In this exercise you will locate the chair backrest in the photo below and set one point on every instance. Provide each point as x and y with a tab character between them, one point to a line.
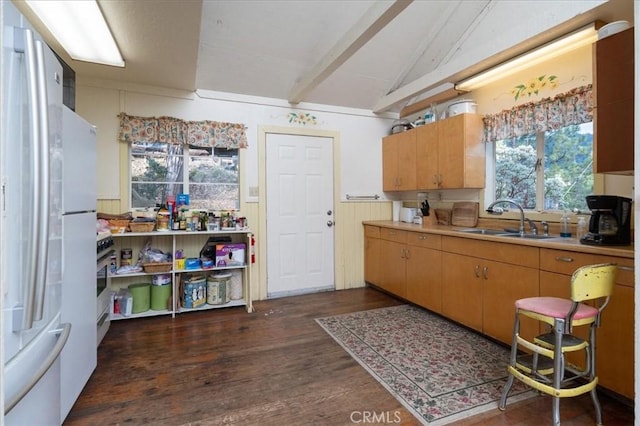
593	281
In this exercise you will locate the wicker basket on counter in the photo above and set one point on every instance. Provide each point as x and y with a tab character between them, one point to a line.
141	226
155	267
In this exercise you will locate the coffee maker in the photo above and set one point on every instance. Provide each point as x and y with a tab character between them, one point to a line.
610	223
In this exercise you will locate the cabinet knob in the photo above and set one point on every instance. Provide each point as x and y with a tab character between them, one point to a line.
564	259
485	273
476	271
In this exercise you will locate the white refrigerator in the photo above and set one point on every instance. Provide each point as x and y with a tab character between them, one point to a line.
79	307
32	331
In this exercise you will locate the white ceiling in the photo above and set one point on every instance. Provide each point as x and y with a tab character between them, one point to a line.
374	55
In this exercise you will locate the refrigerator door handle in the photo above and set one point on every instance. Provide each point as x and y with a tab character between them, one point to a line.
43	157
42	370
24	43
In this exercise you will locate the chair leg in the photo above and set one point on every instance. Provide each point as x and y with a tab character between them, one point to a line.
591	351
512	362
558	368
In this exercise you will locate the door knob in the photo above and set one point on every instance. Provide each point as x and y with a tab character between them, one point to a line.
329	212
330	223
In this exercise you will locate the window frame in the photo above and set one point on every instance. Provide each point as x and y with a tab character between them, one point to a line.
126	154
535	214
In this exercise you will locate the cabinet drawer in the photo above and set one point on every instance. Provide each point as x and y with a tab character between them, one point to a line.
566	262
421	239
371	231
393	235
501	252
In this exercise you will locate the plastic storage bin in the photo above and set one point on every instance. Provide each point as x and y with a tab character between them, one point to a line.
160	296
141	293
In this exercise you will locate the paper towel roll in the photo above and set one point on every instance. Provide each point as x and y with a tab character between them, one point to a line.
396	210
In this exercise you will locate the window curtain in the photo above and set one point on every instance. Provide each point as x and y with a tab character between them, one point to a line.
573	107
175	131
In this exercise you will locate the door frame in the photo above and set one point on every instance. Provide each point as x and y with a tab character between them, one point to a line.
261	235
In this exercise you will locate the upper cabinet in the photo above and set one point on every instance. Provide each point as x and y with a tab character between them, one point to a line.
446	154
613	117
450	153
399	161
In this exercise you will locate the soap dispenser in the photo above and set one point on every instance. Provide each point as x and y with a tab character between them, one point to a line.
565	225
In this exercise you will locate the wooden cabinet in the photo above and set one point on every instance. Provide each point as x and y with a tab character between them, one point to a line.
424	270
407	264
393	248
481	282
450	153
190	243
476	283
372	252
613	115
615	337
399	161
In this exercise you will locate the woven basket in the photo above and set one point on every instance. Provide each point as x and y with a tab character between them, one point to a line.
142	226
119	226
155	267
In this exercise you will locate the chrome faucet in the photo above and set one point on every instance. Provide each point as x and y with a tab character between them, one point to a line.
532	226
545	227
499	211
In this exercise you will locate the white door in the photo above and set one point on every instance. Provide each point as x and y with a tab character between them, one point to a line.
299	194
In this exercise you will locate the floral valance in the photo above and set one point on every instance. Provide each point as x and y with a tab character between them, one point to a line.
176	131
573	107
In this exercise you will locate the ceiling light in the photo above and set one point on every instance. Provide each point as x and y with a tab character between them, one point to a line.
80	28
565	44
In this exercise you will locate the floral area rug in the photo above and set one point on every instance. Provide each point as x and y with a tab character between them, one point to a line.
438	370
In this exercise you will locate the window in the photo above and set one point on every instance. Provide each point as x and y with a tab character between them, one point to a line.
209	175
547	171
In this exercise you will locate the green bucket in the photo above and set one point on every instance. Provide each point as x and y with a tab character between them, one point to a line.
160	296
141	293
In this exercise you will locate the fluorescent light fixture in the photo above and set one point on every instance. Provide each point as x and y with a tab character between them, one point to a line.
80	28
565	44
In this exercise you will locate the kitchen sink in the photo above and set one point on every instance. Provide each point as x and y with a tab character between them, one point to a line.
529	236
483	231
503	233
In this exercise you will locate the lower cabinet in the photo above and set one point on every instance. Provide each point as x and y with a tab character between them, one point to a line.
407	264
476	283
615	336
424	270
372	255
481	294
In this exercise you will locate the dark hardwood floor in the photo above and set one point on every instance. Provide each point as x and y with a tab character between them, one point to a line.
272	367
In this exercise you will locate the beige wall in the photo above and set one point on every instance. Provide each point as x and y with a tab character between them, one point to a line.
358	132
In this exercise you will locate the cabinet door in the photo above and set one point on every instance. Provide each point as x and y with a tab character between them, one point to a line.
462	289
615	343
461	153
390	163
613	118
399	161
424	277
393	264
503	284
427	156
372	260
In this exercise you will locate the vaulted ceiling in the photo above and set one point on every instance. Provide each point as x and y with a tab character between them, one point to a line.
367	54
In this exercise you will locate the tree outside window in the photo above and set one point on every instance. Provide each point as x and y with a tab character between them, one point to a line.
209	175
548	171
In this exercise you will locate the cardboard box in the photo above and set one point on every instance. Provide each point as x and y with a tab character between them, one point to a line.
230	254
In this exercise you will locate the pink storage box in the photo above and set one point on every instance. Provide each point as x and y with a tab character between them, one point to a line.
230	254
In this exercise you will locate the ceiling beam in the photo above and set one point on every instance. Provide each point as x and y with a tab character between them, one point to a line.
374	20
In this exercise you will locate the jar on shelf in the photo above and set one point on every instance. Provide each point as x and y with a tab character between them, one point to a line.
163	219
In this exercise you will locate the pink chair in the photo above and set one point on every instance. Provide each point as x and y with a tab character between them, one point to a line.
543	366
